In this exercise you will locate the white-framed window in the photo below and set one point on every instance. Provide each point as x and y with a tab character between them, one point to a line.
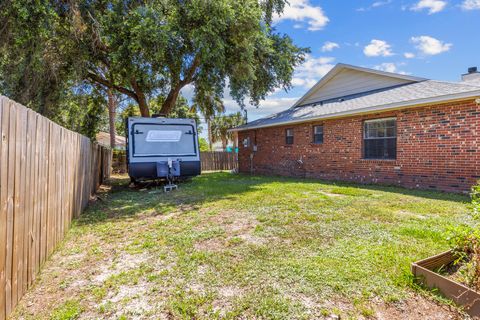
289	136
318	134
380	139
246	142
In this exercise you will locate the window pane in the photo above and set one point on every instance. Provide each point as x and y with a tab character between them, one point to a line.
289	140
391	132
390	123
318	134
381	148
371	133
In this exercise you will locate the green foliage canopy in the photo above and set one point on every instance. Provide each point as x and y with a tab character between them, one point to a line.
143	49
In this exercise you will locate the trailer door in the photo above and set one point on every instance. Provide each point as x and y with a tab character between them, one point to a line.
163	140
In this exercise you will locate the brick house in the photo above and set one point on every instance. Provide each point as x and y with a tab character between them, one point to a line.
369	126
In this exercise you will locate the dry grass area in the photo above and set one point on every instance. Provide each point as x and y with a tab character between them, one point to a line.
237	247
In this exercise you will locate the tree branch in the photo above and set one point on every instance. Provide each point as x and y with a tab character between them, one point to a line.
191	71
98	79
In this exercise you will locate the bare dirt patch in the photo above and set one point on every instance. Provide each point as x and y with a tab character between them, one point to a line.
330	194
416	307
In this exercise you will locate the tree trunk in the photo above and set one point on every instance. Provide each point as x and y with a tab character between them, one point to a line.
224	144
112	110
170	101
140	98
143	105
235	141
209	129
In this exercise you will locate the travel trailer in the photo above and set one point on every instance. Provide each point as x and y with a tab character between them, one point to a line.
162	148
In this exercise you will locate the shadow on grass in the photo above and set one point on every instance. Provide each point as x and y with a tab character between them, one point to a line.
122	201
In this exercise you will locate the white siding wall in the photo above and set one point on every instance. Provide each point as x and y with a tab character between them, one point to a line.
351	82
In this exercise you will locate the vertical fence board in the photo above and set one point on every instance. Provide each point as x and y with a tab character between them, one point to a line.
10	204
19	214
4	120
47	176
36	177
218	160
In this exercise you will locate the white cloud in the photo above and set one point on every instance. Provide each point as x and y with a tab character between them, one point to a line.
374	5
430	46
188	91
329	46
433	6
387	66
303	11
390	67
311	71
471	5
381	3
409	55
378	48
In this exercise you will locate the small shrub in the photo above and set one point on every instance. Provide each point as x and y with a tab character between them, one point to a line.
466	245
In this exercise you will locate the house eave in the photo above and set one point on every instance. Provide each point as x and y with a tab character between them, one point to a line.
380	108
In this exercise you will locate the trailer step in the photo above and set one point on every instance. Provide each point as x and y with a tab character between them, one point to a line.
169	187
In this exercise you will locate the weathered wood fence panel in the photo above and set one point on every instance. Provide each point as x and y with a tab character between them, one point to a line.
210	161
218	160
47	176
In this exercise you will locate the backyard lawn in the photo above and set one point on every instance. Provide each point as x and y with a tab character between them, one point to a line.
232	246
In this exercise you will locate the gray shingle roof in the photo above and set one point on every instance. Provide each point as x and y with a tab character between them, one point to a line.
402	95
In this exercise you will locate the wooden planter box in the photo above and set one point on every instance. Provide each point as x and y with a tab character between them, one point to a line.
460	294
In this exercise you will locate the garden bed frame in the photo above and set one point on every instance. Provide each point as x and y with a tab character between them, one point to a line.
460	294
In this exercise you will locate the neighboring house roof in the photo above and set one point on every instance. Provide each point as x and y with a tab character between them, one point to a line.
349	90
103	139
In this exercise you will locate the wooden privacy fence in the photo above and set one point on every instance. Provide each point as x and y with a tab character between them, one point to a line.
218	160
47	175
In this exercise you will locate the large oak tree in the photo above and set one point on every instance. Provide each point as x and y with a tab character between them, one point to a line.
146	48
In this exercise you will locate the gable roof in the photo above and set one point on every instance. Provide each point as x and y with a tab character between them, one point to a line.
380	91
345	79
103	138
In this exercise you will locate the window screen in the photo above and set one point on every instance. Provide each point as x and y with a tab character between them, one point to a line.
380	139
318	134
289	136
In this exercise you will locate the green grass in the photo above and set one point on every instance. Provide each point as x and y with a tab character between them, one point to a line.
69	310
227	246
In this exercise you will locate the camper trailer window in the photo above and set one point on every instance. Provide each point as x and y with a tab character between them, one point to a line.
163	140
163	136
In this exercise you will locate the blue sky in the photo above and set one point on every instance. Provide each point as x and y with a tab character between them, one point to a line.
436	39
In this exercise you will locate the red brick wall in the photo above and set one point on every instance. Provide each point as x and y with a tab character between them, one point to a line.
438	147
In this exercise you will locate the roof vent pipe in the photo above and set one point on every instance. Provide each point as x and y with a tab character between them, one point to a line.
472	76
